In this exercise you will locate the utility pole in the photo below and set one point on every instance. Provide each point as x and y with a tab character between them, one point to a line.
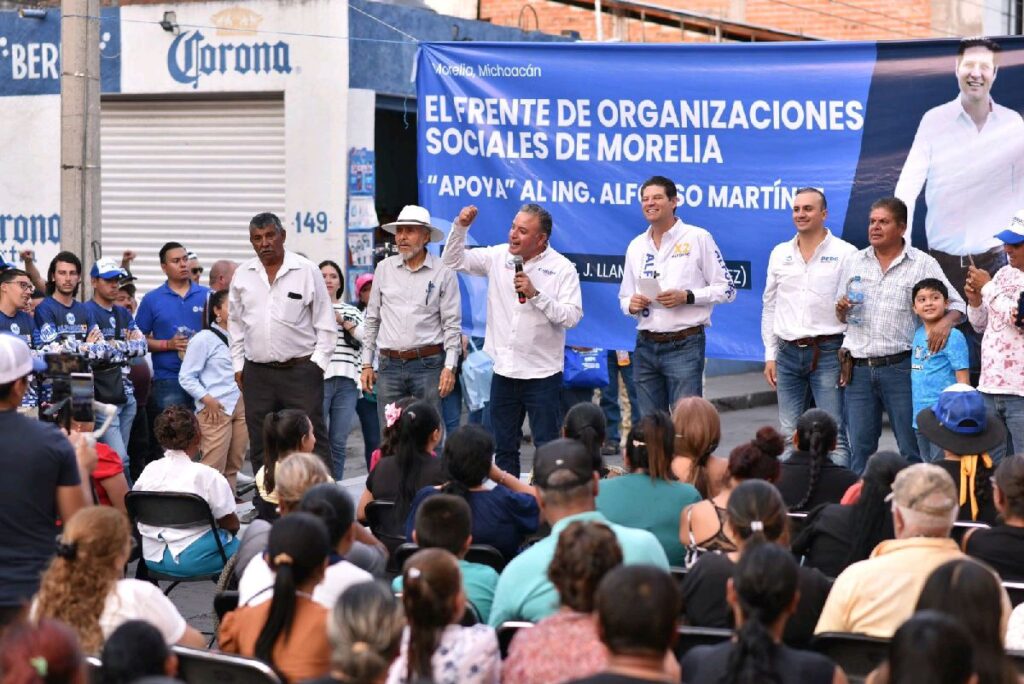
80	130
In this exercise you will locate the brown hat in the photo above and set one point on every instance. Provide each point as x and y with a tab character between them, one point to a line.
925	488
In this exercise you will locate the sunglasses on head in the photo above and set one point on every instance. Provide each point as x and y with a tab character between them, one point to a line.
198	270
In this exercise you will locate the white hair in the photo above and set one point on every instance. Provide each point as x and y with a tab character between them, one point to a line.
918	524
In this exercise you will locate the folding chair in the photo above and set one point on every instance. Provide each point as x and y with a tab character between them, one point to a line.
1015	590
691	637
507	630
201	667
960	528
797	520
380	517
857	654
176	510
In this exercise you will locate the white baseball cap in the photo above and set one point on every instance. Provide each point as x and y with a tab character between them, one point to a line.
16	361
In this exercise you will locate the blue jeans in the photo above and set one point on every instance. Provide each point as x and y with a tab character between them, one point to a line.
798	384
872	390
1010	409
513	400
451	409
340	395
668	371
366	409
167	393
417	377
118	434
610	396
928	450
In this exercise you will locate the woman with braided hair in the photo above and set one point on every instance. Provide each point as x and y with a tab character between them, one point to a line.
762	594
83	587
435	648
810	478
756	515
288	632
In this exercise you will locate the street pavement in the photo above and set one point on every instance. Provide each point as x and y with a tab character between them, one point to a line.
745	401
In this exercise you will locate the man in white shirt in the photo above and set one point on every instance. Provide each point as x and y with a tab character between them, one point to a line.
533	297
673	276
282	334
798	325
971	153
413	319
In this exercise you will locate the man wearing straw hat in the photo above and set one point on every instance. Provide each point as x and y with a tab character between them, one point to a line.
413	319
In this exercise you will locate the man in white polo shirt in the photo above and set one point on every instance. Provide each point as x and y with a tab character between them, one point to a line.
798	324
529	308
673	276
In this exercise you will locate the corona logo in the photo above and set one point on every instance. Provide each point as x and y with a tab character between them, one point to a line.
236	21
191	57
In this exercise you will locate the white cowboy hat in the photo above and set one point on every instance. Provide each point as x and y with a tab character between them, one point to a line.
412	215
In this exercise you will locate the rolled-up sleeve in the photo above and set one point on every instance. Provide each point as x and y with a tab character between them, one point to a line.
565	306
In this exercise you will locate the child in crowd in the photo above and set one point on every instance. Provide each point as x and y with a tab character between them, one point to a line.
931	372
444	521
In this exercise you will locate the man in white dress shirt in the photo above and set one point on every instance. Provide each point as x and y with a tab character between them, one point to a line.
528	313
682	267
799	328
970	151
283	333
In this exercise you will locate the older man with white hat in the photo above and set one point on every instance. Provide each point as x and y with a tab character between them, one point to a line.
413	320
996	307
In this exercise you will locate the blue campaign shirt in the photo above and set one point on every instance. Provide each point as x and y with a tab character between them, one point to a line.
21	325
931	373
161	313
115	324
58	323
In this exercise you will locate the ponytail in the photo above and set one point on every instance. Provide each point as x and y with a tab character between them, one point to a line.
415	426
297	549
816	434
585	423
430	584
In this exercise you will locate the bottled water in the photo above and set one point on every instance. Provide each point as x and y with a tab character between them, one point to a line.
855	293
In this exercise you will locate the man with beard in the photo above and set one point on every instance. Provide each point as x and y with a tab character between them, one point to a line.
283	334
60	317
413	319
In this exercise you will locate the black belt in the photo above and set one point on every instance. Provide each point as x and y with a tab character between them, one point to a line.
283	364
673	336
876	361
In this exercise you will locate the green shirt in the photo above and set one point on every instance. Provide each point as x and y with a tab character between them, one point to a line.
636	500
478	581
524	591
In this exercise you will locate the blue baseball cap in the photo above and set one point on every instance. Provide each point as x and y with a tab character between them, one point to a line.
959	422
107	269
1014	233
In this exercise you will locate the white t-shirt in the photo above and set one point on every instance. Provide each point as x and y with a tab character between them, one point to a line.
136	600
176	472
257	583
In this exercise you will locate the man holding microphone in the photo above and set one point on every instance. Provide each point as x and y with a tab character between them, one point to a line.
533	297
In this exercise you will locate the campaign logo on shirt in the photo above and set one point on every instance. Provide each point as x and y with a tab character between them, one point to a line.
15	329
681	249
197	309
47	333
113	323
70	318
830	260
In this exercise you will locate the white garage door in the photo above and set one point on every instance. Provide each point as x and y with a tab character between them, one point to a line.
191	171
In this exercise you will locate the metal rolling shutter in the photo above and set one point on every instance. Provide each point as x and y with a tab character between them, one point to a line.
192	171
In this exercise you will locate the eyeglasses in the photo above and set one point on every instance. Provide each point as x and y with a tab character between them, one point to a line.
198	270
27	287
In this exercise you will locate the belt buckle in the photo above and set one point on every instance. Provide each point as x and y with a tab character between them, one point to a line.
965	260
803	344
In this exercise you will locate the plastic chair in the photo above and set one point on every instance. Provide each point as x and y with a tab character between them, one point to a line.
797	520
477	553
961	527
691	637
1015	590
507	630
201	667
857	654
380	517
178	510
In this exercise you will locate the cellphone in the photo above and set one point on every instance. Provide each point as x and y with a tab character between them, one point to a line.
82	396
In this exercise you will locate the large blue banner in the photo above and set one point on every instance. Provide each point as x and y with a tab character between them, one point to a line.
578	127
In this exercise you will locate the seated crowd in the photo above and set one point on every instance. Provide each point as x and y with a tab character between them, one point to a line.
601	567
